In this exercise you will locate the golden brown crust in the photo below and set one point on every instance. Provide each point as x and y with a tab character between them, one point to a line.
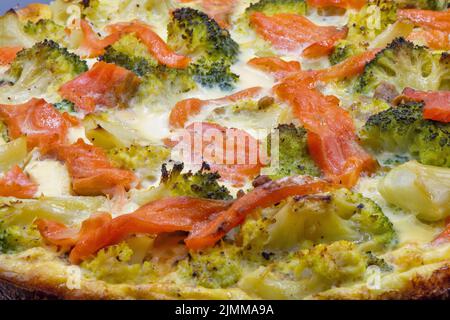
437	286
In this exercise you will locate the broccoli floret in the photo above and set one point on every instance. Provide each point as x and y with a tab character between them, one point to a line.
114	264
404	64
65	106
343	49
145	160
338	262
165	82
202	184
293	155
18	238
270	7
157	80
41	70
215	268
403	129
45	29
307	272
193	33
373	260
363	27
210	74
325	218
129	52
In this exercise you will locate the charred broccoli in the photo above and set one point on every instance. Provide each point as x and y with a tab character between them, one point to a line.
41	69
193	33
214	268
404	64
202	184
294	158
403	129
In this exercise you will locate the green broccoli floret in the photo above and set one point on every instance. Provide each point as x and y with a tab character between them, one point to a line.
404	64
343	49
145	160
363	27
202	184
45	29
424	4
338	262
65	106
165	82
40	70
376	229
114	265
157	80
211	73
18	238
307	272
214	268
129	52
193	33
403	129
306	221
270	7
373	260
293	155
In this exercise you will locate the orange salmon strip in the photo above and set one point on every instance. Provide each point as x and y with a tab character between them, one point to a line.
291	32
104	85
207	234
16	184
91	171
187	108
39	121
8	54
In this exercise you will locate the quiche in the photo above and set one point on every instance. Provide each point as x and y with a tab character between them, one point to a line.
271	149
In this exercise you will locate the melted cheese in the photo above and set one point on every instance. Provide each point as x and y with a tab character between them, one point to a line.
51	176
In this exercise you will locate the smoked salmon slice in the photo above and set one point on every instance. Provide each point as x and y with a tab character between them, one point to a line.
104	85
293	32
8	54
91	171
207	234
39	121
15	183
